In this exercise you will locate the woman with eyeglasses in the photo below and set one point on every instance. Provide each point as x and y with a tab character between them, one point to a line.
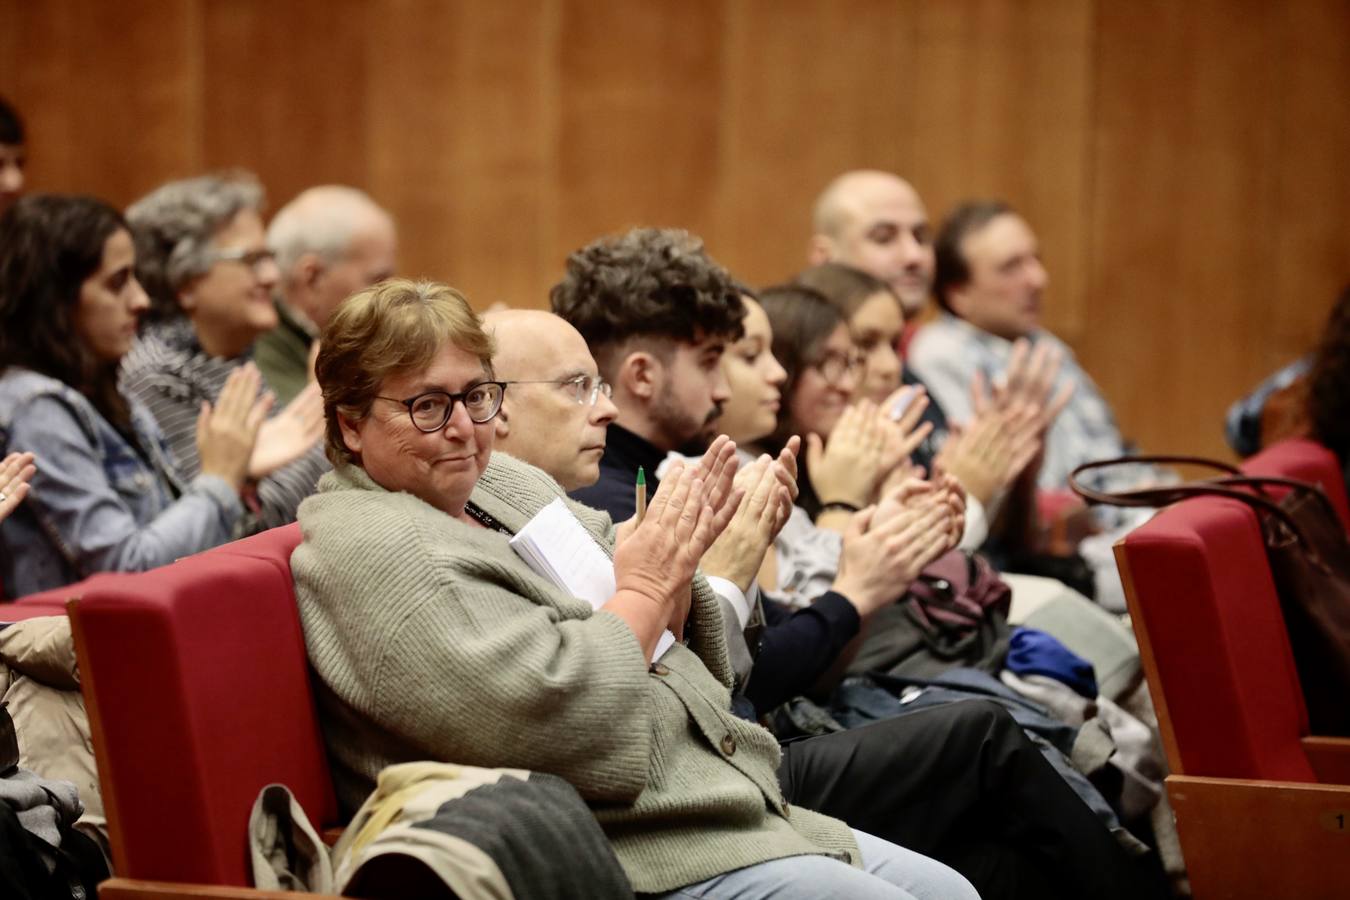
433	640
202	258
107	493
854	448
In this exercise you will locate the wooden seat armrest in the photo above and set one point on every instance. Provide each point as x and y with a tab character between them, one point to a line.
1330	758
1263	838
132	889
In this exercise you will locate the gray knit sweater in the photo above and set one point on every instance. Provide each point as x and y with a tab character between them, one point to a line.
432	640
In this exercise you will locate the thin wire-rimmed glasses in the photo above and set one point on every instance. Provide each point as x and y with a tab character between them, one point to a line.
586	389
430	410
834	365
254	259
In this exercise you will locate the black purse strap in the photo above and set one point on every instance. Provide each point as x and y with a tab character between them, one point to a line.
1253	490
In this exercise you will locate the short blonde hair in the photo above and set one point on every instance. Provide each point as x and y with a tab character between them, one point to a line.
391	328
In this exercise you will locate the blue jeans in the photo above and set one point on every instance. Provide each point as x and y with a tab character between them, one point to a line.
889	872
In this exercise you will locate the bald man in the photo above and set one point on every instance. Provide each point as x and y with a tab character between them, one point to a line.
876	221
556	407
330	242
959	782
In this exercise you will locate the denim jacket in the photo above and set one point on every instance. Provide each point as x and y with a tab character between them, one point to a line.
96	503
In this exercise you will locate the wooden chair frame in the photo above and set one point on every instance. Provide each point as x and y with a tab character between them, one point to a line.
1251	838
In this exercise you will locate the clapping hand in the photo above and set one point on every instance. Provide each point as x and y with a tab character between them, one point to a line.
15	472
228	431
989	454
767	486
850	467
1028	381
657	560
886	547
289	434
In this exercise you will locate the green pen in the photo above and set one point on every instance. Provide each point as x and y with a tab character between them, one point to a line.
640	490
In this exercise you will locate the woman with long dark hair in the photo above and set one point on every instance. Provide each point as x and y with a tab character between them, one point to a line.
107	494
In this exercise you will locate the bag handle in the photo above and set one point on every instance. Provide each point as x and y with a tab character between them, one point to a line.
1226	486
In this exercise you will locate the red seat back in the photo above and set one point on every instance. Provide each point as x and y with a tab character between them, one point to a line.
1306	460
198	688
1205	608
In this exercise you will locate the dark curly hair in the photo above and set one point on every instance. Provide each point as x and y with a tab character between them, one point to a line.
49	245
951	269
649	283
1329	382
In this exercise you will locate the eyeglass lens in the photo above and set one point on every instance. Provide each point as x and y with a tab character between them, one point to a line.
430	411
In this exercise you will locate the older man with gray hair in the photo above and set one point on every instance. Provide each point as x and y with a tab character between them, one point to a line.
330	242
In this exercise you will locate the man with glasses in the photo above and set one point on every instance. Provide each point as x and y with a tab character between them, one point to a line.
556	397
556	416
960	782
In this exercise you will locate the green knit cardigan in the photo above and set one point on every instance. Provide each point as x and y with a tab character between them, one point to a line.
433	640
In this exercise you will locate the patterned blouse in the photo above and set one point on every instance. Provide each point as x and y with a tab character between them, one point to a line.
169	372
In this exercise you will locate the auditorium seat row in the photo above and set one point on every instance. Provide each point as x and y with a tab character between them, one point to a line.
199	694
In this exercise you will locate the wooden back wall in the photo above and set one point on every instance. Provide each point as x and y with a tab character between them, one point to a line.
1187	165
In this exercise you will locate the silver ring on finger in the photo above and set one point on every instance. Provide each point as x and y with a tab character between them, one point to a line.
3	497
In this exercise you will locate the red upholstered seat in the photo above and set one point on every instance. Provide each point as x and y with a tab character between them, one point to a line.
1205	597
1250	788
198	689
51	602
1306	460
276	544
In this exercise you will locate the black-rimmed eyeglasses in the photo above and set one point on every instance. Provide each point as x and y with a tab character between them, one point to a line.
834	365
430	411
585	389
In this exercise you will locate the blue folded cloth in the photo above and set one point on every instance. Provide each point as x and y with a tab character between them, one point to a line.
1032	652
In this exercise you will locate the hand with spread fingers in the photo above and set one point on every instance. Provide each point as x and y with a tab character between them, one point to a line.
1029	380
15	472
849	469
655	563
885	548
713	467
954	495
228	431
290	434
738	553
785	470
717	467
906	431
989	454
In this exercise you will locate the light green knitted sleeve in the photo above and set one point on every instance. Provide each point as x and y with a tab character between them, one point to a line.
440	635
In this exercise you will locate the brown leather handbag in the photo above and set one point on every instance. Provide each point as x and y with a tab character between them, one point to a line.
1309	561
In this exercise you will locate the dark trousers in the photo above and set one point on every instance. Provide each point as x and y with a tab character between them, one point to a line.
962	784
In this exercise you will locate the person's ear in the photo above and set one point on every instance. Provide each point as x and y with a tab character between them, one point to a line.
187	300
958	299
640	375
307	270
502	424
351	434
819	250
